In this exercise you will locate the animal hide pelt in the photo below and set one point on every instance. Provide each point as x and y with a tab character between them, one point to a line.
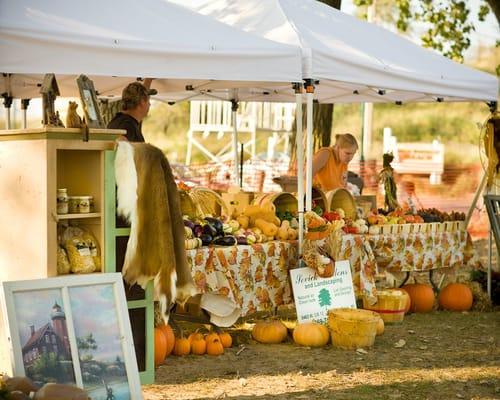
147	197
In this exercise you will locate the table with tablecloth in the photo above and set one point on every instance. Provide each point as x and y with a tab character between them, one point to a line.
254	276
422	251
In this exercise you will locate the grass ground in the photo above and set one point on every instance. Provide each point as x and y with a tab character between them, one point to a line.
445	356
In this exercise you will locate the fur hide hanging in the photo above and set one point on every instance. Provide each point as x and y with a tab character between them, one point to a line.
147	197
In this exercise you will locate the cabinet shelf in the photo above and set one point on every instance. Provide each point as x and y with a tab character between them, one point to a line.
61	217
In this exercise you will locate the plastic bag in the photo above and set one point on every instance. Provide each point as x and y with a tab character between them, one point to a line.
79	255
63	265
94	248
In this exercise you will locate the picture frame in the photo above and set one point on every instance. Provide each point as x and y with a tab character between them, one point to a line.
73	330
90	105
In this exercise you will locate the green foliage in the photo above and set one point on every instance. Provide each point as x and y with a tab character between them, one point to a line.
48	366
86	344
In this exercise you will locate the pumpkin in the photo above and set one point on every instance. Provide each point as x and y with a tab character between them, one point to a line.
182	347
215	348
195	336
311	334
211	337
269	332
422	297
380	326
456	297
160	342
169	335
198	345
225	339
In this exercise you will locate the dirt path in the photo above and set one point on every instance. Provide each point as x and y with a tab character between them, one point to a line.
446	356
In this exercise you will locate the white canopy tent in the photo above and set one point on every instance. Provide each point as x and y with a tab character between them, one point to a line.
114	43
349	60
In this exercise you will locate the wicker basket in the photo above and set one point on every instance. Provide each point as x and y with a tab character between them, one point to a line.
341	198
390	305
187	205
319	197
352	328
281	201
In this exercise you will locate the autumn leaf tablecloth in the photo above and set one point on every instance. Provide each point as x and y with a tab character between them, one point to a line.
254	276
422	251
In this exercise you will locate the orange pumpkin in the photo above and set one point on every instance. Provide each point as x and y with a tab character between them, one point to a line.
211	337
195	336
225	339
422	297
380	326
311	334
269	332
215	348
456	297
182	347
160	342
198	346
170	336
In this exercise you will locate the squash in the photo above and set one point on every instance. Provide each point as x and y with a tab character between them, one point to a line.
266	212
182	347
169	336
380	326
160	343
195	336
422	297
283	230
269	332
456	297
311	334
293	234
215	348
212	336
199	345
244	221
268	228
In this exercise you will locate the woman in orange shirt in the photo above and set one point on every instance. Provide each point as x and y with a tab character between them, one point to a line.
329	168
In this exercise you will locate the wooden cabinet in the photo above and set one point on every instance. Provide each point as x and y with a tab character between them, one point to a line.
33	165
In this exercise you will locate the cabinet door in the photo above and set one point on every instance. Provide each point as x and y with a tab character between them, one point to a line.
139	301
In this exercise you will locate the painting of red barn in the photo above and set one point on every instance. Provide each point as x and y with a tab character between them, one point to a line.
43	332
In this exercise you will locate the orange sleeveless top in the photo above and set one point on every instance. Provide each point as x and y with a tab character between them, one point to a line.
334	173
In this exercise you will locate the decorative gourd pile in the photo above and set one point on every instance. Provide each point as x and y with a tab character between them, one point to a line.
257	224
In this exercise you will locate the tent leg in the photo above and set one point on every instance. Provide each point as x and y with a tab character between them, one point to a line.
24	107
7	102
189	147
234	110
300	163
309	145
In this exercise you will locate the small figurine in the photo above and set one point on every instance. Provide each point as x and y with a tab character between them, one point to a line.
55	120
73	120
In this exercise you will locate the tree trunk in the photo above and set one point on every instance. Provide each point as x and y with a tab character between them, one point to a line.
322	117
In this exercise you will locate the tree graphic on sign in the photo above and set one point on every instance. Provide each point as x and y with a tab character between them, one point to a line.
324	298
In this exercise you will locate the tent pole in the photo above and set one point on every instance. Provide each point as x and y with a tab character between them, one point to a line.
309	143
7	103
234	109
24	107
300	161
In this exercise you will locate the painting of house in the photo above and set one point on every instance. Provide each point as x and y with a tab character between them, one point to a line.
44	338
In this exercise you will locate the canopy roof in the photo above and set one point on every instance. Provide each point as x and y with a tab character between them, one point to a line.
115	42
353	60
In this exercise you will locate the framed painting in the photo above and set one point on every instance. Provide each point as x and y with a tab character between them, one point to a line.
88	98
73	330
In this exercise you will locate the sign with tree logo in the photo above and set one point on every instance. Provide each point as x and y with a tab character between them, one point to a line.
314	295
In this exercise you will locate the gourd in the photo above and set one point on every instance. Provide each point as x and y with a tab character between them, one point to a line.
269	332
182	347
160	342
244	221
215	348
456	297
190	244
293	234
266	212
311	334
422	297
380	326
283	230
268	228
188	233
169	336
